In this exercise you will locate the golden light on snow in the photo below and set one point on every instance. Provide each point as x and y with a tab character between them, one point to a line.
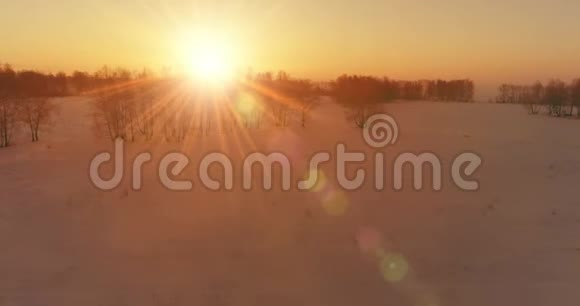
246	104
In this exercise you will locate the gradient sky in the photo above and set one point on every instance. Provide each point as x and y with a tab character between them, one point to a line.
488	41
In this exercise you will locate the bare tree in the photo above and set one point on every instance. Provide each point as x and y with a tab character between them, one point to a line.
116	109
360	115
8	118
361	95
278	100
271	95
36	113
555	96
575	95
504	93
536	96
529	96
8	110
304	96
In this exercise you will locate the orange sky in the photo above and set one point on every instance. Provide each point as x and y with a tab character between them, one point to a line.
488	41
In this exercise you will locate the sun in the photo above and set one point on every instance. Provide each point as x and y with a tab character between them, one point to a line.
211	63
207	57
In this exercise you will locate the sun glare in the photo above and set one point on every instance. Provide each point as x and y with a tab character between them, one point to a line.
211	63
207	57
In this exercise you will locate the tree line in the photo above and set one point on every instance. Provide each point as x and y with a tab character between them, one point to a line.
142	105
390	89
25	95
34	83
555	97
364	96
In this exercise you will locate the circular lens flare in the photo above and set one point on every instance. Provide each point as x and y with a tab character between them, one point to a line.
394	267
335	203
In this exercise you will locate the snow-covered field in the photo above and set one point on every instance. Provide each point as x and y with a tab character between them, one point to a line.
513	242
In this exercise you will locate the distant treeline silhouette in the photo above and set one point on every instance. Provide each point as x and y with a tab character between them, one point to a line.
32	83
385	89
25	95
363	96
556	97
140	105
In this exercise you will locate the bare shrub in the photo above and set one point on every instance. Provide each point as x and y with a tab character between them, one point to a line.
360	115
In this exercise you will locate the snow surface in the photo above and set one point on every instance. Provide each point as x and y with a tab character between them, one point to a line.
513	242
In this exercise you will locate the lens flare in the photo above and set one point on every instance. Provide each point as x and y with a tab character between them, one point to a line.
321	181
394	267
206	56
246	104
369	240
335	203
